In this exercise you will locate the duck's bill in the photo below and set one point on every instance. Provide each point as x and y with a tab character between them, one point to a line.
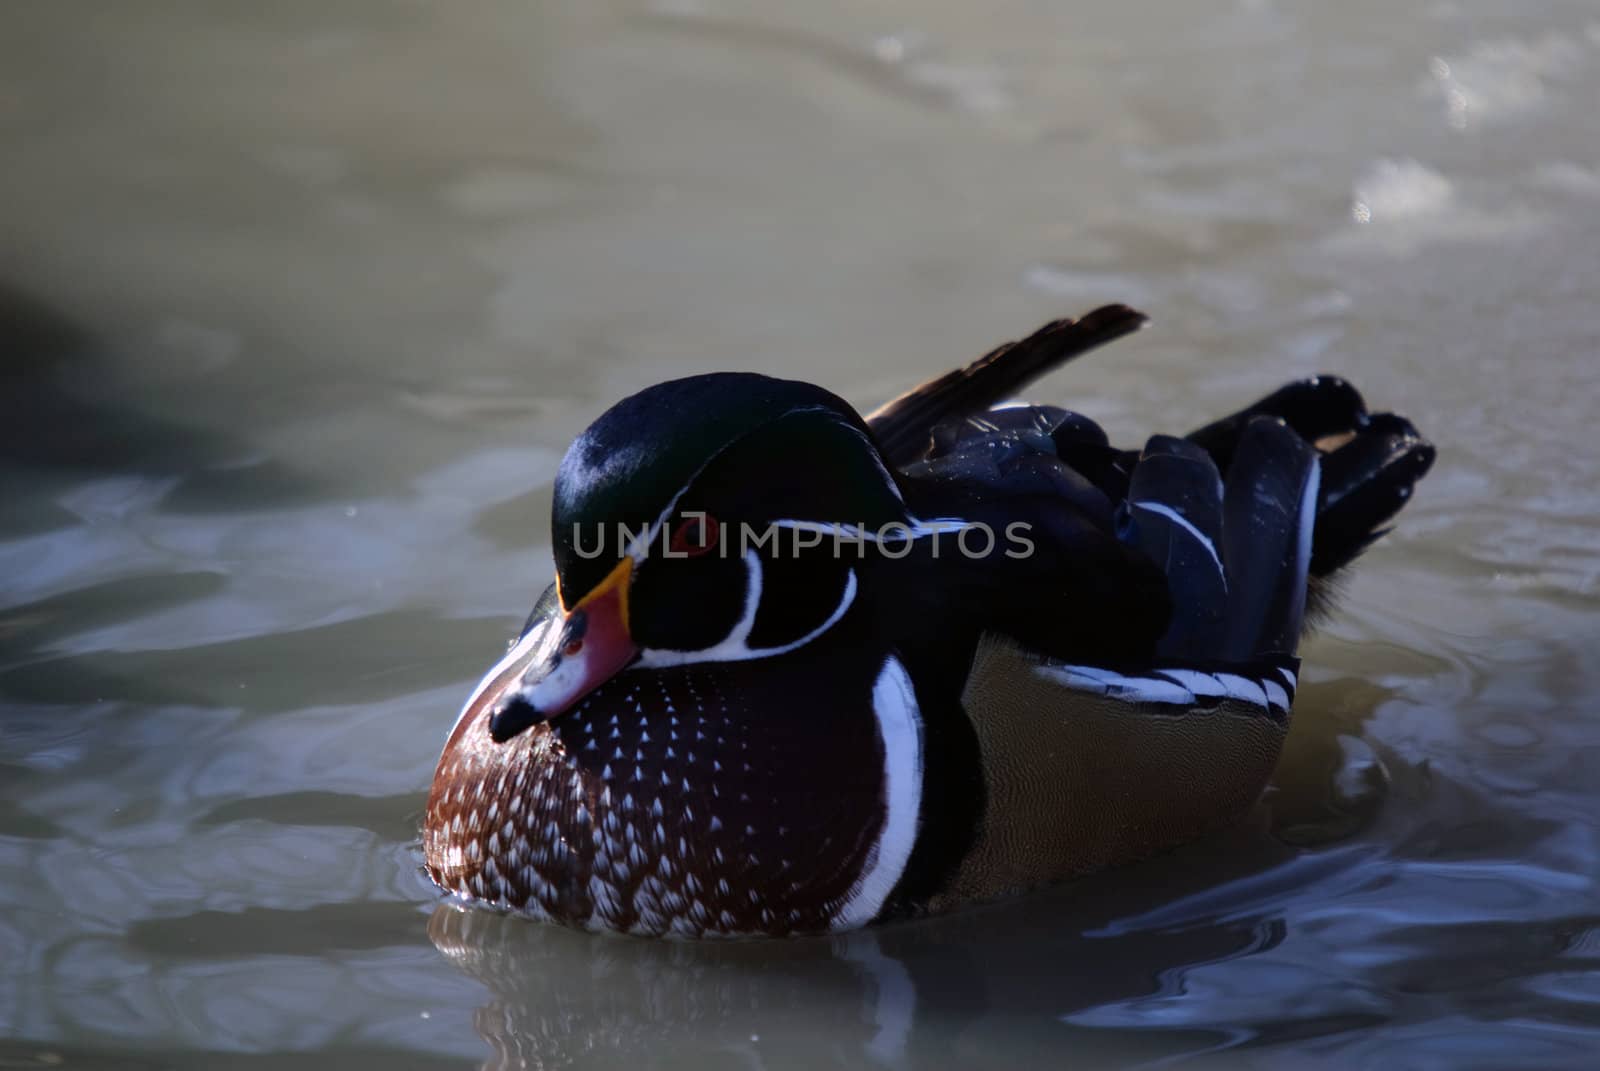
571	657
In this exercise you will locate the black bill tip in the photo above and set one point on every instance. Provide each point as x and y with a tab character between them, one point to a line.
511	717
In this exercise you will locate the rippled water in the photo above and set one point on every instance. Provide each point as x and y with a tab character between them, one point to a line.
300	302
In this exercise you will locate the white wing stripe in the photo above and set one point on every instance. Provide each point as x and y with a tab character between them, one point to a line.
1183	522
1244	689
1200	684
1177	686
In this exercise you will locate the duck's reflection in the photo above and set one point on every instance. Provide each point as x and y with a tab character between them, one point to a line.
936	992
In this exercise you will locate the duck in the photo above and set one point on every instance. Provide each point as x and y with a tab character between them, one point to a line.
802	671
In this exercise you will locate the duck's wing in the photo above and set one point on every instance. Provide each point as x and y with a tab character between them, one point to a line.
1133	684
1051	572
1246	519
1133	558
903	426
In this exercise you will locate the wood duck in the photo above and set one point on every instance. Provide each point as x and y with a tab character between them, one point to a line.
801	671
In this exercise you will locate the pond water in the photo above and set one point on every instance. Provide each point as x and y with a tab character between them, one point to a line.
300	303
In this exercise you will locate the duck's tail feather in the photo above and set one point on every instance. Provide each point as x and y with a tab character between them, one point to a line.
903	427
1365	483
1235	550
1370	463
1269	513
1318	408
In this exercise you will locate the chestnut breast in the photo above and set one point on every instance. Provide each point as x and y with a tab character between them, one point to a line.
702	800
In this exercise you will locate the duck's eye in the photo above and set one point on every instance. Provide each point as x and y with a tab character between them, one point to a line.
695	534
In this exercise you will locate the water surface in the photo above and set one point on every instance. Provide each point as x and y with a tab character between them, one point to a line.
300	302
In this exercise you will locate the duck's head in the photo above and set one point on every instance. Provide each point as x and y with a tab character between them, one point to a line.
695	521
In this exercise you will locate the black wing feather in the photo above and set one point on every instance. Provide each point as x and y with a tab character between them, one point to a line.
903	427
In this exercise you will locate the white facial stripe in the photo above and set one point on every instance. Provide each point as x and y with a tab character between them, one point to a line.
894	703
639	548
735	646
893	532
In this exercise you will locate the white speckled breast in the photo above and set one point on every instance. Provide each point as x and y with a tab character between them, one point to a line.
711	800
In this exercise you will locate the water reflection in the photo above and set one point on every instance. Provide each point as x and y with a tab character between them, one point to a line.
55	409
929	994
